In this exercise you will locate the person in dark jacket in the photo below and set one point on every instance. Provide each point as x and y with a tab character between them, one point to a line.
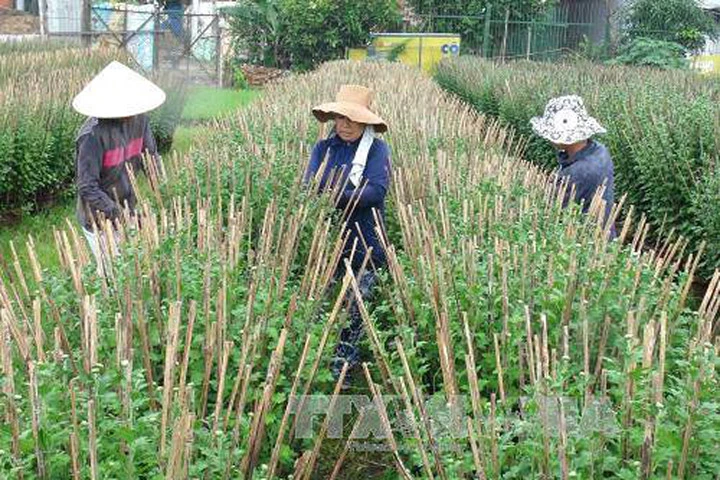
353	163
116	134
584	163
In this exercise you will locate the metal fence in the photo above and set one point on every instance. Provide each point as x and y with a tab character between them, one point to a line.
156	39
494	32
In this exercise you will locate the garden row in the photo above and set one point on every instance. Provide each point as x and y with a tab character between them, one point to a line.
38	125
662	132
565	355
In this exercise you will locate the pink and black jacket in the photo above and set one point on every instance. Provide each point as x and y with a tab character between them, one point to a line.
102	149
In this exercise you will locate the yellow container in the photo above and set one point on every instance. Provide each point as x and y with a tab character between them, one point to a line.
357	54
706	64
424	50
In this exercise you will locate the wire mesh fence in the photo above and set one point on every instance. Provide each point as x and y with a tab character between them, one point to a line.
156	39
496	32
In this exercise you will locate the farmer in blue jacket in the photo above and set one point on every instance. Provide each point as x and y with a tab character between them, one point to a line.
116	134
355	164
585	163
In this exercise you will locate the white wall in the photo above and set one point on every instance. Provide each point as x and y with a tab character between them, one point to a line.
64	16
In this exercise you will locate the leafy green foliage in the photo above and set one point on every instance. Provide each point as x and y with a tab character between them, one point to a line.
301	34
517	8
677	21
255	26
646	52
661	130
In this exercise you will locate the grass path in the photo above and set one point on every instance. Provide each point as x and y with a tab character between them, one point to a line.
203	104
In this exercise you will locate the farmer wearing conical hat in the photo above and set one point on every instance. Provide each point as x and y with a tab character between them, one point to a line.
584	162
116	134
355	164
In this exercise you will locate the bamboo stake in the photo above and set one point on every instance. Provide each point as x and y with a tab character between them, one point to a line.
562	447
310	465
529	340
602	346
378	349
221	384
417	398
498	365
19	337
8	389
192	314
492	429
416	431
321	346
239	378
286	416
545	348
74	435
346	449
169	375
479	469
92	440
380	405
209	353
182	432
19	270
35	419
147	362
239	411
257	430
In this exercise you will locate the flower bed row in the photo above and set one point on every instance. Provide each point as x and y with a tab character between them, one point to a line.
38	125
542	349
662	132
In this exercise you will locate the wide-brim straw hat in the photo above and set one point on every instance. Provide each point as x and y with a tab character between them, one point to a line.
353	102
118	92
566	121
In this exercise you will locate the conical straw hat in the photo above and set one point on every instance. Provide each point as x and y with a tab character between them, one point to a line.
118	92
353	102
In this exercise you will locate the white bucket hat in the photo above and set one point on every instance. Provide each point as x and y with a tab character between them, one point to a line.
566	121
118	92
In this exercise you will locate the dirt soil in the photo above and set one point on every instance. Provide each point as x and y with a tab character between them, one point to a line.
13	22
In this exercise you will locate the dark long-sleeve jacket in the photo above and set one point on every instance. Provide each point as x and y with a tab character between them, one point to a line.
588	170
102	149
369	196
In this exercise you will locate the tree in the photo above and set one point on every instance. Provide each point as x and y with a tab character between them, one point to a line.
255	27
516	8
679	21
300	34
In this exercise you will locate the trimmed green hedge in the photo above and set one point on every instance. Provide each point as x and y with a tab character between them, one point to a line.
38	125
662	131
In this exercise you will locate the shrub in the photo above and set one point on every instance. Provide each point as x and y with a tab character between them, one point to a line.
661	129
37	123
676	21
571	353
646	52
301	34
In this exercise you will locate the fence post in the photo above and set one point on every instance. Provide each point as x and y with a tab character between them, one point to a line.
503	51
219	51
528	52
486	33
86	26
42	6
156	38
